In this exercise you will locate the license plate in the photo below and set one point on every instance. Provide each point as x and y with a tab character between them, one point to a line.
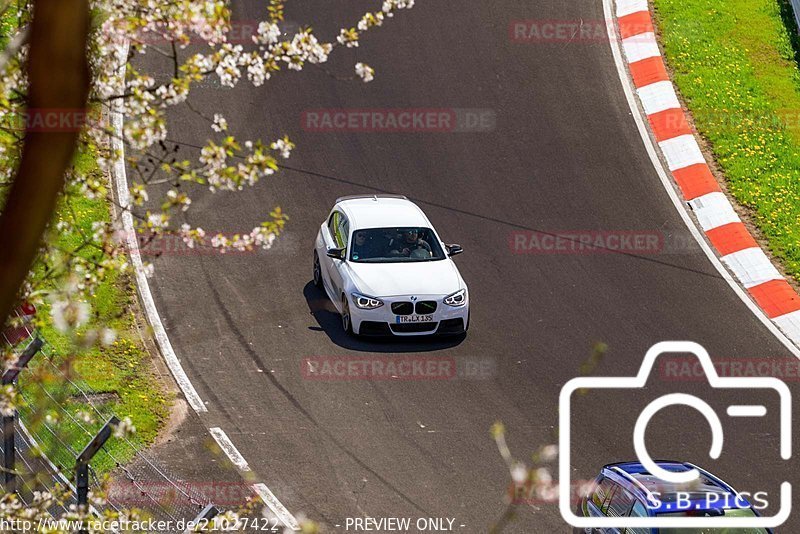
414	319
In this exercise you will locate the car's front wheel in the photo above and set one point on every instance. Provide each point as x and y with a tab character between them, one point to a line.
317	271
347	321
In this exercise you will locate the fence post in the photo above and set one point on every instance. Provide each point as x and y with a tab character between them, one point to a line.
206	514
82	465
9	427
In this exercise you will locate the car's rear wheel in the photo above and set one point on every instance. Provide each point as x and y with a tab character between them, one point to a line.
347	322
317	271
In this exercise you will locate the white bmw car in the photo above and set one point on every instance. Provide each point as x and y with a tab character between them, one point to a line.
386	270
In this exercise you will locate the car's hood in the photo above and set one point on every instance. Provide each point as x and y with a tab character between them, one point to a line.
391	279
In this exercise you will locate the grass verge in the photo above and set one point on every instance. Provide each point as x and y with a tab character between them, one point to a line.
735	65
120	377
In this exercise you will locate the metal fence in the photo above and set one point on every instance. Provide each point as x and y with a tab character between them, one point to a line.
73	415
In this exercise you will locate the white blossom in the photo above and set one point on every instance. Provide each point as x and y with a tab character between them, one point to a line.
542	476
69	314
107	336
284	146
157	221
365	72
148	269
124	428
267	33
519	473
548	453
348	38
369	20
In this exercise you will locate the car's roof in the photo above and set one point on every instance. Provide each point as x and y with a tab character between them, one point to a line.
381	211
637	479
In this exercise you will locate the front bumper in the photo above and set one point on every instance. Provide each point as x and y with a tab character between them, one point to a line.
445	320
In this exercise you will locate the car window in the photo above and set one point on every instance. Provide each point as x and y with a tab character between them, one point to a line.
601	494
338	226
638	510
342	232
395	245
333	221
621	503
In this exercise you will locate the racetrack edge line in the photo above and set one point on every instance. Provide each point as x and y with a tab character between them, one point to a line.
229	448
121	185
120	181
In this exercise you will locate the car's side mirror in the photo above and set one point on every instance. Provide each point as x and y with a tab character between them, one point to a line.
336	253
454	249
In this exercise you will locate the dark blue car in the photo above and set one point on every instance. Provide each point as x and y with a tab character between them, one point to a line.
628	490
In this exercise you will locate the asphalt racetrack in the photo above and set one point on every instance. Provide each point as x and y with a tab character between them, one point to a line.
542	141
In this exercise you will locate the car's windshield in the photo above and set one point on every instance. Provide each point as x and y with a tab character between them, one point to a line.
391	245
740	512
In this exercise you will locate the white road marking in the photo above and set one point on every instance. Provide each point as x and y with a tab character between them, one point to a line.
276	507
666	181
123	196
229	448
174	364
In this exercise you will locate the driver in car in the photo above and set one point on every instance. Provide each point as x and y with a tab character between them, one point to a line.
363	247
409	244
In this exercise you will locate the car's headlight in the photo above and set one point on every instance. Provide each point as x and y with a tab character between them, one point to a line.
459	298
366	303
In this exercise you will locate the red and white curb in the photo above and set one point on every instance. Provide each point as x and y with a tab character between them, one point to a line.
723	228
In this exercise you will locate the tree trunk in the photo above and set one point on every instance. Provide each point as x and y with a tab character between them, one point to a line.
58	76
